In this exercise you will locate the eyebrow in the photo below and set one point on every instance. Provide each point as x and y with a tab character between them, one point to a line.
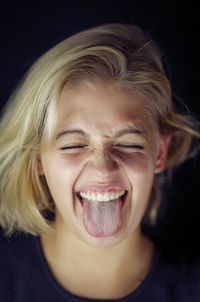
132	130
72	131
129	130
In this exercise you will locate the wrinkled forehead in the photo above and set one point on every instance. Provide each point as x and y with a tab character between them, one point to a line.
98	106
103	104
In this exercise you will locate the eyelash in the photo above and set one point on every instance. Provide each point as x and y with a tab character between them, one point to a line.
132	146
73	147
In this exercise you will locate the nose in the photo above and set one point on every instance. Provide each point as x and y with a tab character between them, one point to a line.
103	164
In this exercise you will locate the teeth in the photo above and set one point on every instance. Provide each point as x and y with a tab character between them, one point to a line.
101	197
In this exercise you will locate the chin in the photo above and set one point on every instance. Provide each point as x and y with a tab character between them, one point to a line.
102	242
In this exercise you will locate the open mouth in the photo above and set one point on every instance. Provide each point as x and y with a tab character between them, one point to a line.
99	197
102	211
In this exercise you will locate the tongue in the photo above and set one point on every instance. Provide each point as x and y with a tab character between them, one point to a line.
102	219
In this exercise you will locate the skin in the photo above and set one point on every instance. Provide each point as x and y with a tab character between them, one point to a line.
101	158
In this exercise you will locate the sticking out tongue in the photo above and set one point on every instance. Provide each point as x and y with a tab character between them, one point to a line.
102	219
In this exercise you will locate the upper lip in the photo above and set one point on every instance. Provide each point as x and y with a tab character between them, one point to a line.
102	188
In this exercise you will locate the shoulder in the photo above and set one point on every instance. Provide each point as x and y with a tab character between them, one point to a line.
5	248
180	261
17	261
15	250
181	273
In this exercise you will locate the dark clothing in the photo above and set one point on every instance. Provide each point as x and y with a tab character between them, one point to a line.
25	276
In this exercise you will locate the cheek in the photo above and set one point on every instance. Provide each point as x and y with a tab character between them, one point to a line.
60	175
140	173
137	163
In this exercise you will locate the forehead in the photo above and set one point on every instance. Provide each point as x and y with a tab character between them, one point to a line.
102	107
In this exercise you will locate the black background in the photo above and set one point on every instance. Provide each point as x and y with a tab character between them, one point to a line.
28	29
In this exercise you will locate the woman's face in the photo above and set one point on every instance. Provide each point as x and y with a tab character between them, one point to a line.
101	165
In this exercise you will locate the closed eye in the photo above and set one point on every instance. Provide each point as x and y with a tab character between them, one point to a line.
73	147
130	146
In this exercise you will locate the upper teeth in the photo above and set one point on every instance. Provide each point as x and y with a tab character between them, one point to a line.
107	196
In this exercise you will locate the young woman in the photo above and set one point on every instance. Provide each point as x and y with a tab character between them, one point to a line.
84	141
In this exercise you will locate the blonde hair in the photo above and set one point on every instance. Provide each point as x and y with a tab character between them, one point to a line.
115	53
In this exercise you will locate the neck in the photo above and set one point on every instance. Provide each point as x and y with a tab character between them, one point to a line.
116	270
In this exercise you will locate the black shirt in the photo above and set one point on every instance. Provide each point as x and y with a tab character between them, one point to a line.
26	277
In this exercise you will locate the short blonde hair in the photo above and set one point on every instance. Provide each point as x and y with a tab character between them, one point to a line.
114	53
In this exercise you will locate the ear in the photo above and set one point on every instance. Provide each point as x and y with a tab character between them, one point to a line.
39	166
162	153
